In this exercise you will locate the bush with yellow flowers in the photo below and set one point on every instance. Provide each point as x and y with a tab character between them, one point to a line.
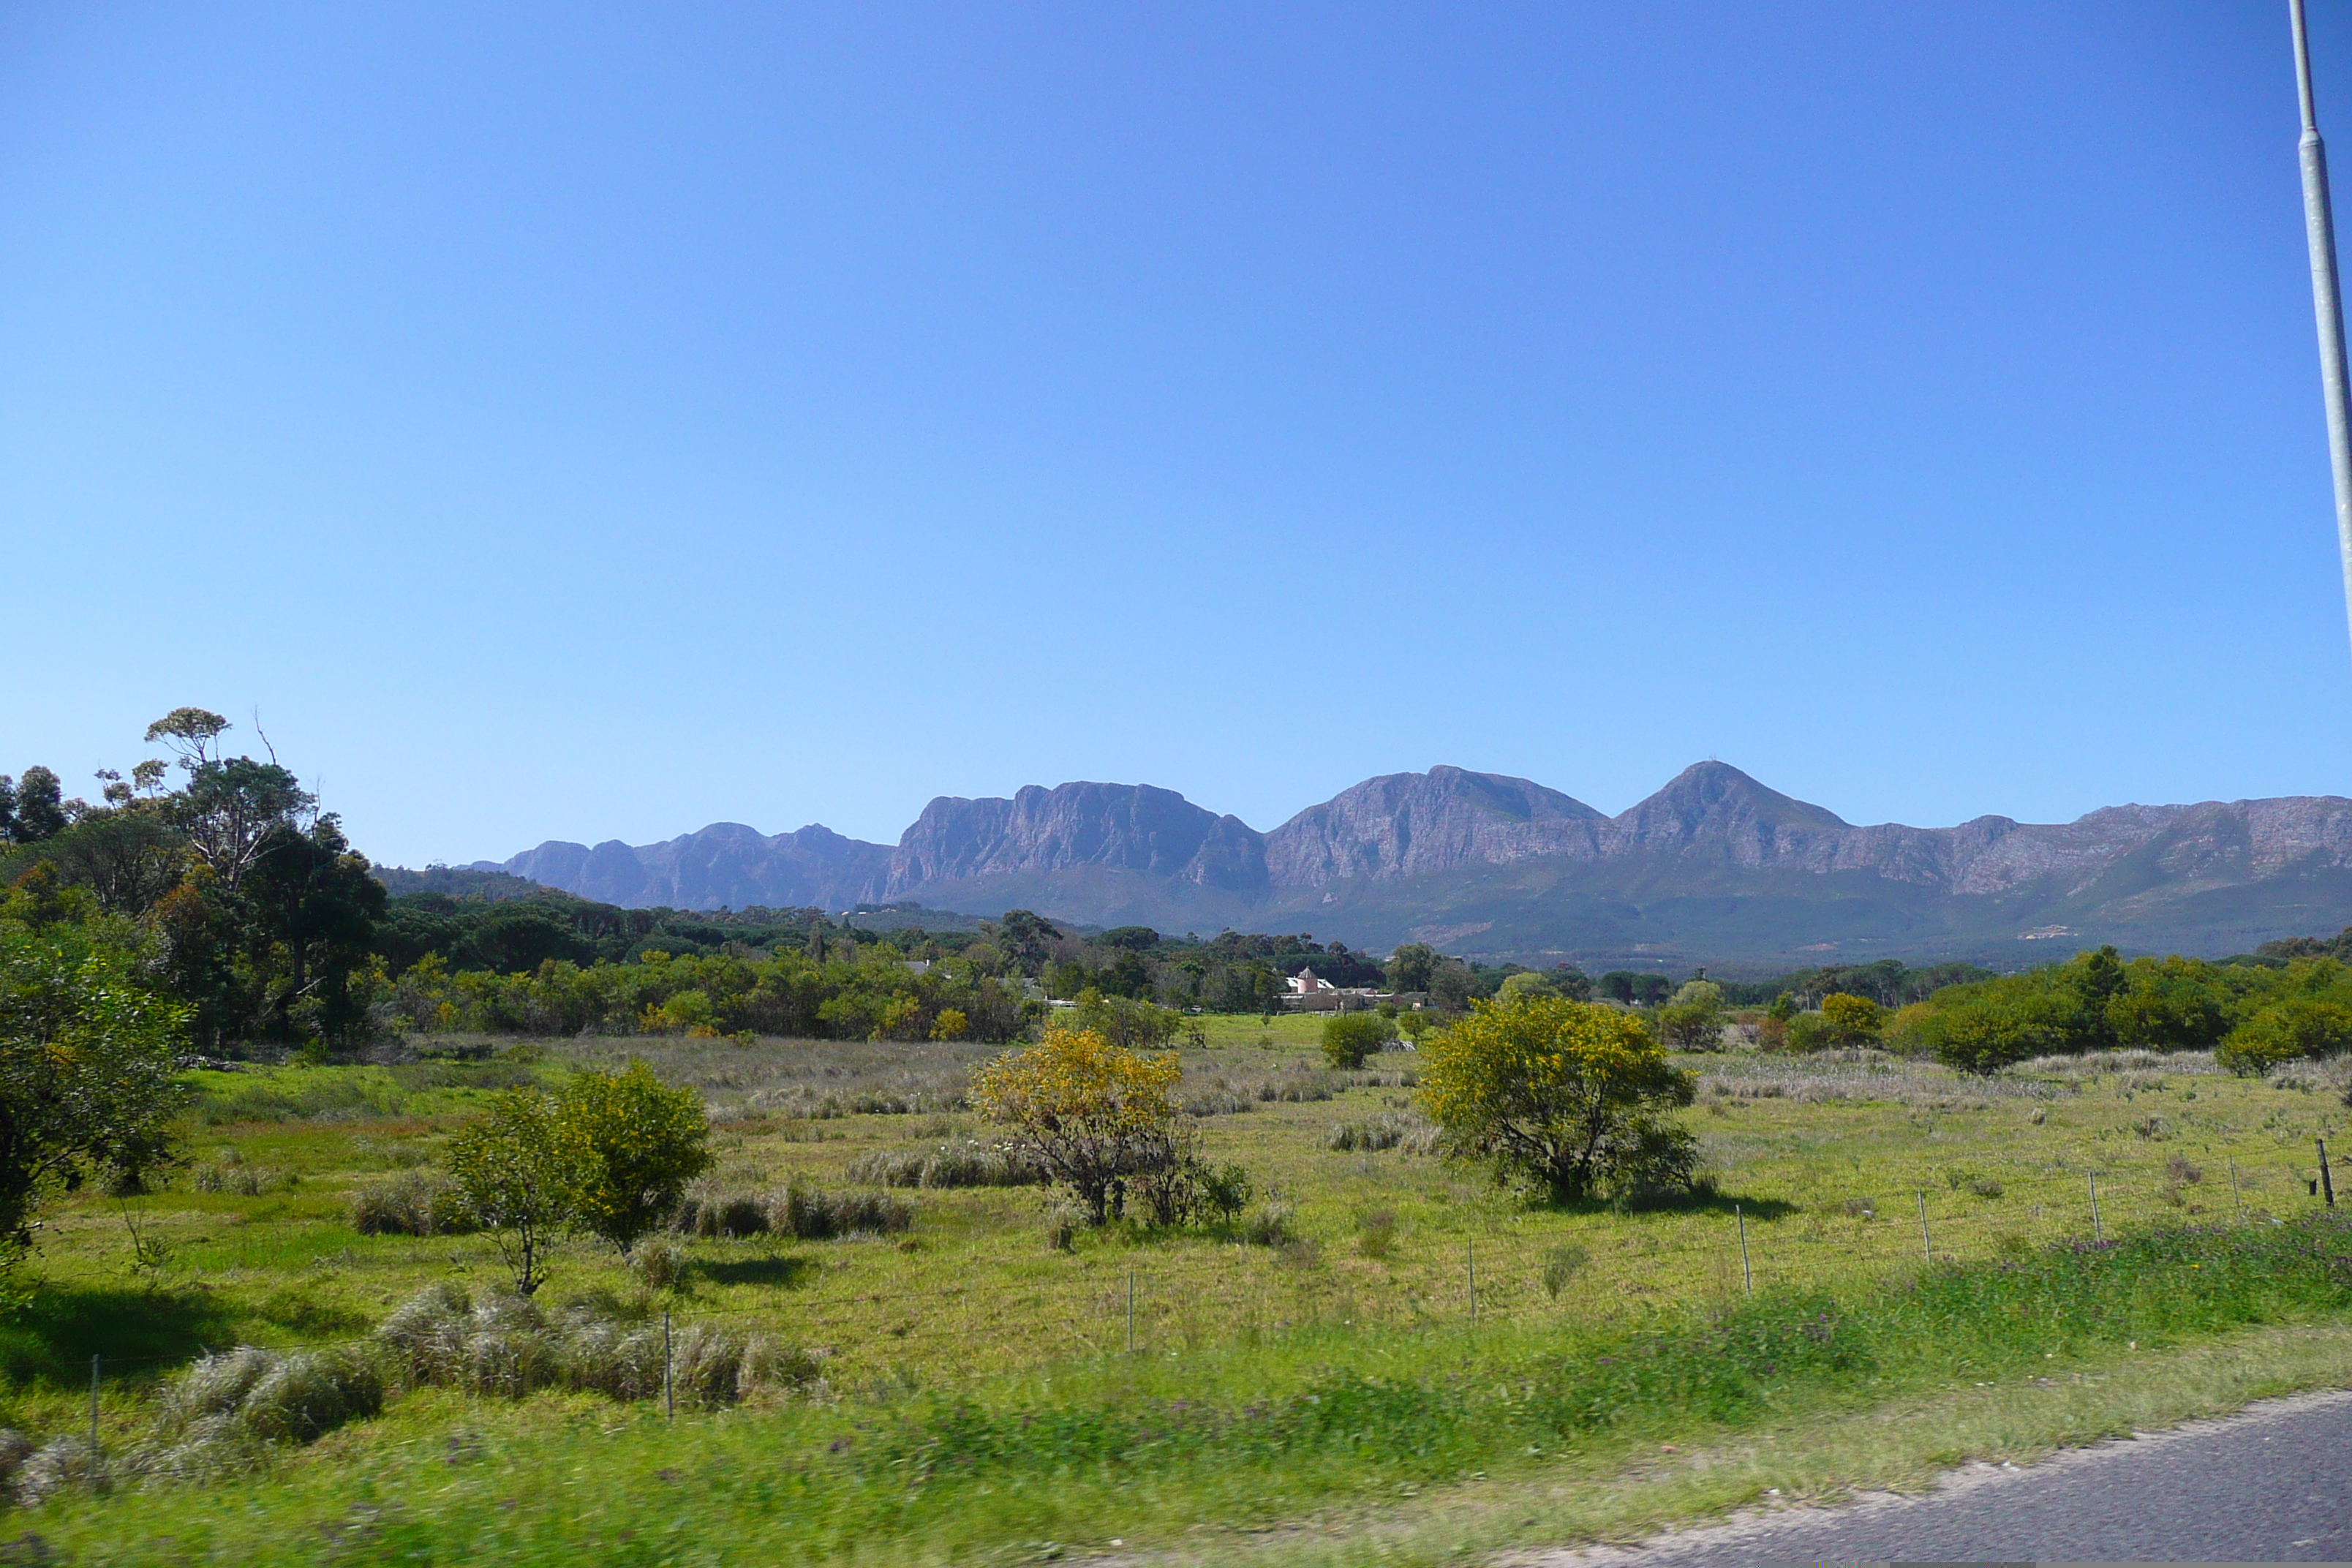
1098	1117
1570	1097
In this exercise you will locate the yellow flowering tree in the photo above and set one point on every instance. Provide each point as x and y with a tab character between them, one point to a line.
1852	1020
1095	1115
1570	1095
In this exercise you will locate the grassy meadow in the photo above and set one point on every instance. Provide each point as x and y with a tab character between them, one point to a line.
950	1349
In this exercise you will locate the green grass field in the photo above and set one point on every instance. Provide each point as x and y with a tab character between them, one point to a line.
1826	1166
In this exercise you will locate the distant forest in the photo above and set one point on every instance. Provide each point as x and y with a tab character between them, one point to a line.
233	896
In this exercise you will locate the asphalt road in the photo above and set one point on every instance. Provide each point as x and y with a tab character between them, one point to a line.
2271	1485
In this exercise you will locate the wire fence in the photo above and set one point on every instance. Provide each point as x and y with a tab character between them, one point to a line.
1514	1273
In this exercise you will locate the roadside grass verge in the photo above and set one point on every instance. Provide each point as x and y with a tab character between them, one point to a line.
1151	1449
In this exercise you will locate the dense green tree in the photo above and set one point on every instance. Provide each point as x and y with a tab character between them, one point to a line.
1450	985
86	1059
1027	938
37	808
1524	983
1126	975
312	908
1410	966
129	856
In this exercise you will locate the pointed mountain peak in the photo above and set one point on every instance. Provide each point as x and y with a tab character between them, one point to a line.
1714	792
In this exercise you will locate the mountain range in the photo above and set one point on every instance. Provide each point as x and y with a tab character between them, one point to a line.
1713	868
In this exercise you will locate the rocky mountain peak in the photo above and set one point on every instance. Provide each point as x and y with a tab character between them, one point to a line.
1712	800
1402	824
1128	827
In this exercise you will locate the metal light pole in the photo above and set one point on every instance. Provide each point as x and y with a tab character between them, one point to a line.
2326	298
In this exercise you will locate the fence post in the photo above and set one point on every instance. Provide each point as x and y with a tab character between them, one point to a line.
2236	1196
1927	1247
2097	1237
1473	1283
1747	1275
1131	1311
669	1379
93	1408
2326	1181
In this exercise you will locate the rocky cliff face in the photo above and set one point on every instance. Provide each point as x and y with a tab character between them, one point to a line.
1400	825
1128	827
1379	858
724	865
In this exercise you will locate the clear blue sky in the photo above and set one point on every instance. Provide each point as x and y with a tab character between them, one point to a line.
577	422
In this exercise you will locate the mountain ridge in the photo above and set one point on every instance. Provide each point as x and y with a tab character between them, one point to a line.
1713	867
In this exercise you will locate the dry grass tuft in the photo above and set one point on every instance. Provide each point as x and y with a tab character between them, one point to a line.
413	1203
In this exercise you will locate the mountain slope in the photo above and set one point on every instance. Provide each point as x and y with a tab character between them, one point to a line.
1714	868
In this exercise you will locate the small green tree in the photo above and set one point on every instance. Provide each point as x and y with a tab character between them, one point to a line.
1124	1022
1526	982
1349	1038
1693	1021
635	1144
85	1071
1572	1096
516	1175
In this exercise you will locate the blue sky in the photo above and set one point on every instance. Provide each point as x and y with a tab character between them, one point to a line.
577	422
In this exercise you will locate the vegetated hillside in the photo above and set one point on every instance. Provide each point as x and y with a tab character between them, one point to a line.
457	882
1713	868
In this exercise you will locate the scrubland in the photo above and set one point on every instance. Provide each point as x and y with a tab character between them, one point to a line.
1376	1332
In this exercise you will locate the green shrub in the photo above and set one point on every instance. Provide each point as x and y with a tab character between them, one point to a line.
1187	1189
1349	1038
1852	1020
1376	1233
2285	1031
